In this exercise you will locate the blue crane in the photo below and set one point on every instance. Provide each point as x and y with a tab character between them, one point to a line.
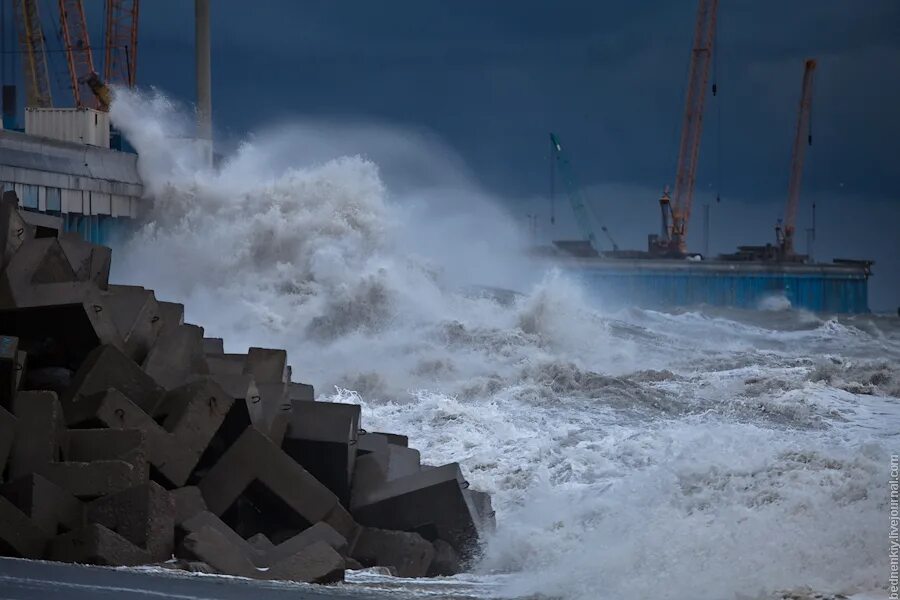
582	215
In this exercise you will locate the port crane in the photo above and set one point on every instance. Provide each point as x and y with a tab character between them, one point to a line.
120	63
784	232
79	55
579	207
34	54
676	209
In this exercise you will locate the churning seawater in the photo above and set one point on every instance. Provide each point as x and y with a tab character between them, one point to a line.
631	454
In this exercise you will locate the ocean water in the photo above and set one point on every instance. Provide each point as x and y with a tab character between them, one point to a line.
697	454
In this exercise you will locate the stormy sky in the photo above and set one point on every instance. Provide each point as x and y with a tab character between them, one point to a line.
491	78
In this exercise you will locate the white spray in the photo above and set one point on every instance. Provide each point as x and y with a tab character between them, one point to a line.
636	455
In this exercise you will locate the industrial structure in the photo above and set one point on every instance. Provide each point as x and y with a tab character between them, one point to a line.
61	164
667	274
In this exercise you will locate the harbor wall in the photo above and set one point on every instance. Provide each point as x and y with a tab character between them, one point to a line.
663	284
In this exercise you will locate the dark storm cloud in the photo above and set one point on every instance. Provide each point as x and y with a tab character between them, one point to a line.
492	77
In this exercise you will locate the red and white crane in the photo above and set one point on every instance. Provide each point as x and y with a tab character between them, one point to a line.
676	210
784	232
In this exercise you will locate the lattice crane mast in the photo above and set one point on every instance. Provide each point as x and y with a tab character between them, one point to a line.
579	207
34	54
79	55
676	210
784	233
120	63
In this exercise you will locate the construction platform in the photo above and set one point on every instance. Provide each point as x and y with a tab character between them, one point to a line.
840	287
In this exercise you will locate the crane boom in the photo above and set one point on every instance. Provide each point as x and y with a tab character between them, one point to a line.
797	156
34	55
579	207
78	52
692	125
120	62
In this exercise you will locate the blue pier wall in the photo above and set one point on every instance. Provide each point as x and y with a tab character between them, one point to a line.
655	284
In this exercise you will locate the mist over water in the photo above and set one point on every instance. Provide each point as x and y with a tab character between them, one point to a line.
634	454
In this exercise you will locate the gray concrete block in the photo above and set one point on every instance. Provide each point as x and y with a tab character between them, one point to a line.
214	346
42	438
171	315
409	553
212	547
177	356
19	535
89	480
483	509
188	502
107	367
136	314
446	561
227	364
143	515
255	470
394	438
58	334
260	544
100	462
316	563
89	262
13	230
375	468
8	426
371	442
301	392
267	365
96	545
322	437
9	365
320	532
402	462
431	503
21	366
49	507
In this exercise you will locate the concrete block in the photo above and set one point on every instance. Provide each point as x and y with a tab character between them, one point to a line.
89	262
227	364
266	365
177	356
137	316
409	553
40	274
213	346
322	437
9	365
171	315
375	468
213	548
13	230
49	507
42	438
88	480
96	545
320	532
301	392
21	366
371	442
108	367
260	544
56	334
483	508
8	426
317	563
207	520
255	473
53	379
100	462
403	461
394	438
19	535
431	503
143	515
188	502
446	561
